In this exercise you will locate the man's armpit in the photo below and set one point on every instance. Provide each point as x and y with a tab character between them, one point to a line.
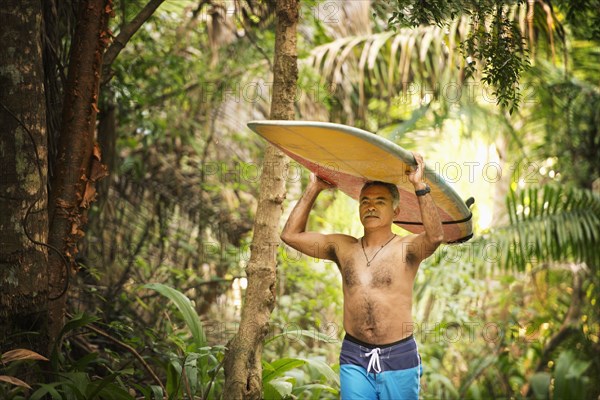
410	252
330	251
416	251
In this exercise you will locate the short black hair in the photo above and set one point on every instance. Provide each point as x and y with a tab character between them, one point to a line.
390	186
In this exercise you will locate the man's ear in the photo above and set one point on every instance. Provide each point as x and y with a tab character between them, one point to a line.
396	212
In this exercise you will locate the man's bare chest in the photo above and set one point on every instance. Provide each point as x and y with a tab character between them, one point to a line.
383	273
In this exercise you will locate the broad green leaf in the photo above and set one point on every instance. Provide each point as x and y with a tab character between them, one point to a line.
267	367
277	389
145	390
563	364
312	387
191	371
186	308
157	392
577	369
77	382
174	371
323	369
540	384
280	367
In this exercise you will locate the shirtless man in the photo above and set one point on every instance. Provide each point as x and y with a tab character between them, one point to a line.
379	357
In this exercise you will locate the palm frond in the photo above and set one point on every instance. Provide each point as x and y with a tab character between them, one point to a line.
413	62
384	65
550	223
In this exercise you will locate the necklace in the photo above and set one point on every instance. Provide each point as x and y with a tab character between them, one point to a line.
377	252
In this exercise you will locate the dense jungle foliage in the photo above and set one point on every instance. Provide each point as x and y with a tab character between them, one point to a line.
510	314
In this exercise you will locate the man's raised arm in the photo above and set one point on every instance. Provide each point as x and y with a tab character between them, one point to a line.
294	233
428	241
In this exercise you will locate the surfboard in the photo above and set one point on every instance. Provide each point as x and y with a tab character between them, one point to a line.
349	157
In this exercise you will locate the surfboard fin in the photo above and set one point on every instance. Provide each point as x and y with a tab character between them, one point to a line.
470	201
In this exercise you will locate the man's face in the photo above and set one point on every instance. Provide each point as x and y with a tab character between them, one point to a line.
376	207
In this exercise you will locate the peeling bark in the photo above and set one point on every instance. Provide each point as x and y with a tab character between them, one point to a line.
23	166
78	164
243	369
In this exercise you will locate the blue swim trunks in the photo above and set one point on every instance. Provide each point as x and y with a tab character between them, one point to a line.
390	371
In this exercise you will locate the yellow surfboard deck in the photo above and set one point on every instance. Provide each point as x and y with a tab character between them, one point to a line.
348	157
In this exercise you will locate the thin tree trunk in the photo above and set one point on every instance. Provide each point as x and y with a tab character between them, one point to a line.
23	179
78	161
243	369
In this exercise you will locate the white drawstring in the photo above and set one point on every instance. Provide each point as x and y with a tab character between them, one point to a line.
374	360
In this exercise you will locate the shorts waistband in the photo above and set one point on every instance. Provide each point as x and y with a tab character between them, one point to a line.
352	339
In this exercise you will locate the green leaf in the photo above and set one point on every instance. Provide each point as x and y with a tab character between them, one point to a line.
444	381
323	369
173	378
97	387
191	371
314	387
277	389
280	367
186	308
540	384
47	389
267	368
157	392
565	359
79	320
146	391
78	382
577	369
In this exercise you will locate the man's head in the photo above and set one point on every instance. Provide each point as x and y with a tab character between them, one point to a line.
393	189
378	204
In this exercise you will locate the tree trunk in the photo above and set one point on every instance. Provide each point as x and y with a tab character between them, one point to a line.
23	179
78	161
243	369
